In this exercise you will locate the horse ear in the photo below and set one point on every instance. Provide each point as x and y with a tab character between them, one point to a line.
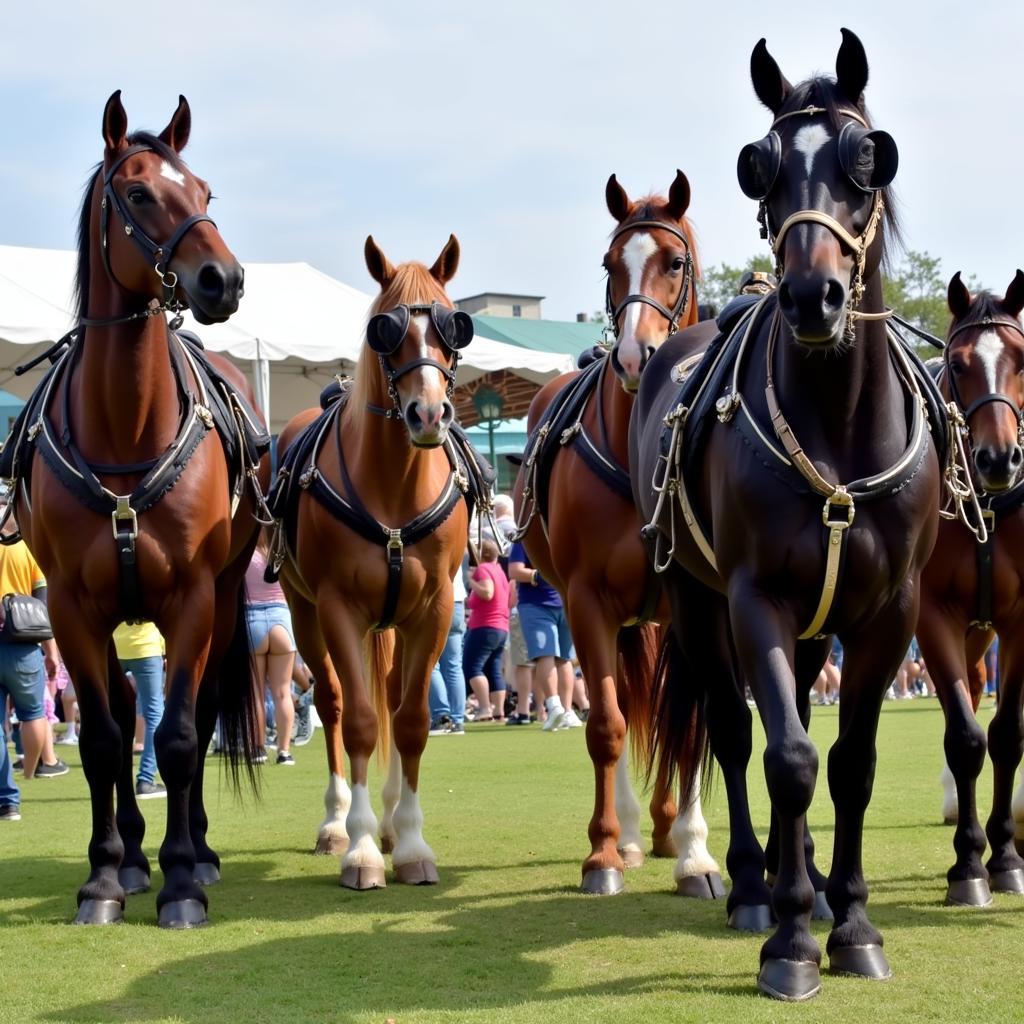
1014	301
851	67
377	263
115	123
177	131
447	263
770	83
679	196
617	200
958	297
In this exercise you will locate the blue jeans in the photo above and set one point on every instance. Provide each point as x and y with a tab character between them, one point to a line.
23	679
447	683
148	674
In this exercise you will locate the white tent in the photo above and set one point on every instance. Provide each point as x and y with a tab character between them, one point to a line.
295	328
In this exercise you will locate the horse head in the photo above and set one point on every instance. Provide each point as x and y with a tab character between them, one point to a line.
984	358
148	213
416	334
819	176
651	267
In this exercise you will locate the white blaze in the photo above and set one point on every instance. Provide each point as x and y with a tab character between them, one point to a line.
988	349
635	254
168	172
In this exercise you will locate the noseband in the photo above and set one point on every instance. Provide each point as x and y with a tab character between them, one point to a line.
994	396
157	253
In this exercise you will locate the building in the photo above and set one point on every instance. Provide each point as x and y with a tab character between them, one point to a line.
526	307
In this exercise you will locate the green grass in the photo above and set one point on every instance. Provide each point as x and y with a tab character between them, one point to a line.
504	937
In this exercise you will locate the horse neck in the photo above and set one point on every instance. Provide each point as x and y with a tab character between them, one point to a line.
125	404
617	407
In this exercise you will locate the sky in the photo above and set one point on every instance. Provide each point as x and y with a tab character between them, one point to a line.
318	123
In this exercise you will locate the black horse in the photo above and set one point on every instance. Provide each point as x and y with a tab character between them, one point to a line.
768	548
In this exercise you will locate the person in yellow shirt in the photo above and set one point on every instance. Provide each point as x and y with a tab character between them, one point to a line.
140	649
23	673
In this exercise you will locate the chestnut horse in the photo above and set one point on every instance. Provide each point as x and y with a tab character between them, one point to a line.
585	539
763	556
971	591
381	454
128	430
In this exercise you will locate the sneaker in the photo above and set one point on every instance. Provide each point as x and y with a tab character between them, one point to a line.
149	790
259	756
517	719
456	729
555	715
51	771
10	812
440	726
283	757
571	720
302	732
19	765
69	739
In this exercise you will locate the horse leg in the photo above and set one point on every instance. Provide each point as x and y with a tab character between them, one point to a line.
630	846
790	957
603	870
696	872
181	903
134	871
665	813
942	639
392	790
1005	744
1017	807
332	837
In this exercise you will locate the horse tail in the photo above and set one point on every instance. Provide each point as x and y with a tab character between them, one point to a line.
238	703
638	658
380	653
679	735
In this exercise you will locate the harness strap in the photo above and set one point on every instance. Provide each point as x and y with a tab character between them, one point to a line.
984	557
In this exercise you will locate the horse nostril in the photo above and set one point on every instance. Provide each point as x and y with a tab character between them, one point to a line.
983	459
834	294
1016	457
786	302
211	280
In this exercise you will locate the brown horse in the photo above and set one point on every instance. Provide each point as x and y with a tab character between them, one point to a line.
794	495
125	424
381	454
971	591
583	534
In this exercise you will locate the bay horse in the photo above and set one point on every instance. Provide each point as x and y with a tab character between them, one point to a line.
373	527
972	588
766	552
580	528
158	524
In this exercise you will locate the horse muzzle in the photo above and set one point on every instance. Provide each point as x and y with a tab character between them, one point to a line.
214	290
998	469
814	307
428	422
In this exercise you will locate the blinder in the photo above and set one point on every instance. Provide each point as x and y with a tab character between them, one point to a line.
758	166
868	157
385	331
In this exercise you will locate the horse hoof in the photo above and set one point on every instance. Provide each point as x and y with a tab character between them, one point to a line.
948	821
133	880
862	961
387	844
821	910
99	912
701	887
335	846
968	892
603	882
1019	845
205	873
632	857
1011	881
182	914
419	872
756	918
363	878
664	847
792	981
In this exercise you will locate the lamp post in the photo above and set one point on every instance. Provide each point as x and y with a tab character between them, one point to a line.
489	405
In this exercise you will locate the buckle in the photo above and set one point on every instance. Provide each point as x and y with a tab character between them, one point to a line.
124	513
841	498
395	543
988	517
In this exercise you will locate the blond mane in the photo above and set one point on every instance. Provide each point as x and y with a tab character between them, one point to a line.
411	284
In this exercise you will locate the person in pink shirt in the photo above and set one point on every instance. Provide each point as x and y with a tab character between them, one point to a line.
487	634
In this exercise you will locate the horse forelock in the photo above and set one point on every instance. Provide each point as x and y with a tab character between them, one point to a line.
655	207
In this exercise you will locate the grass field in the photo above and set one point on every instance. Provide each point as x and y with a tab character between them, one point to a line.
504	937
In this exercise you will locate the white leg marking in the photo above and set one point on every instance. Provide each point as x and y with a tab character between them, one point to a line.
690	832
337	801
627	807
1017	805
950	805
410	845
988	348
362	828
808	140
390	793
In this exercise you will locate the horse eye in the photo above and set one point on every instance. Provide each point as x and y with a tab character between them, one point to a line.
138	196
957	367
678	263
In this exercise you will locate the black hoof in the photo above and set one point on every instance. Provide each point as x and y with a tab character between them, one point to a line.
205	874
863	961
99	912
701	887
821	911
133	881
603	882
793	981
968	892
182	914
752	919
1007	881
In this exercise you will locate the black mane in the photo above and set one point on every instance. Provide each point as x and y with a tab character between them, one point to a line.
81	290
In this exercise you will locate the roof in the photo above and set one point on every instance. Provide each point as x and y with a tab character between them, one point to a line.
565	336
500	295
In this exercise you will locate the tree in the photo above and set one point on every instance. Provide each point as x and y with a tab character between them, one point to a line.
720	283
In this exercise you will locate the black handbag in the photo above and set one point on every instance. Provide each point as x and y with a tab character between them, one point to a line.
25	620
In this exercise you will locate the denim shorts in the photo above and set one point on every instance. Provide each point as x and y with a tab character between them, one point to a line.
546	631
483	654
261	618
23	679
